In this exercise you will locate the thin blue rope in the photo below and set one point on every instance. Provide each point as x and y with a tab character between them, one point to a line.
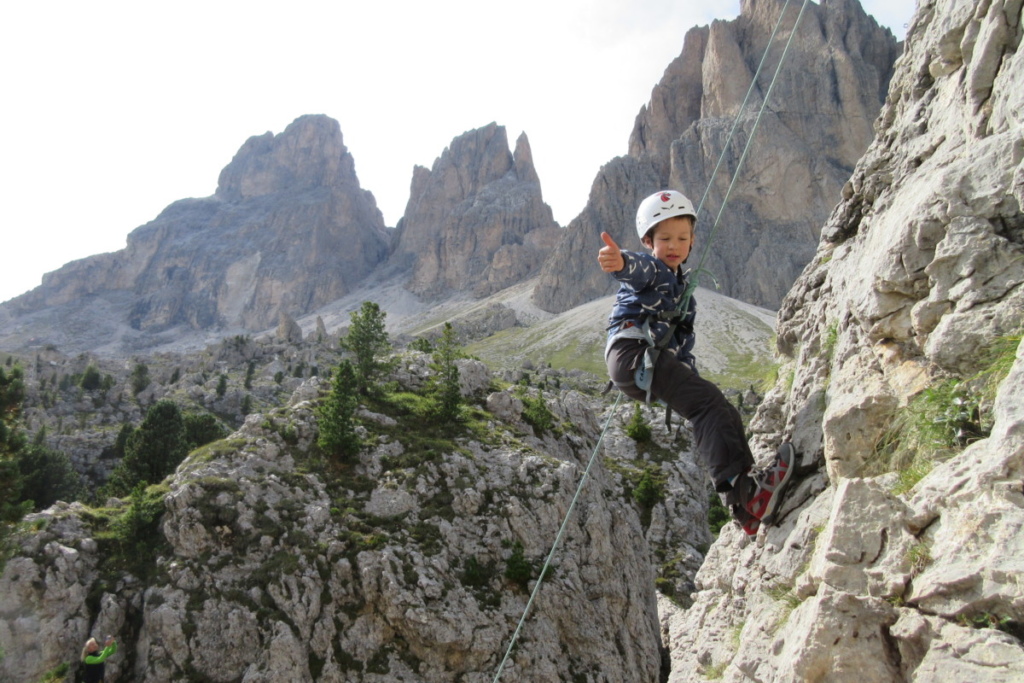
687	295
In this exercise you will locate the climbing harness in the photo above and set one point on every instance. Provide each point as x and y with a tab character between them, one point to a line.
648	365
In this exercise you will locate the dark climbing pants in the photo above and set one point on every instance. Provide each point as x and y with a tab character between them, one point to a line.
718	432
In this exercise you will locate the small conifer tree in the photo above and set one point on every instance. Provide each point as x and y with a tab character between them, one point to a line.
637	429
336	415
201	429
47	476
91	379
368	341
152	451
140	378
518	570
444	386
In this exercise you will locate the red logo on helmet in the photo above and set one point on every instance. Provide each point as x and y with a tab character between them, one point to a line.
665	196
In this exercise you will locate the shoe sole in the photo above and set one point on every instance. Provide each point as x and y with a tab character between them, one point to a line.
780	489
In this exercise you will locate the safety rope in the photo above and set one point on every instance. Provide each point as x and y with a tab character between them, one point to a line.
558	538
686	296
753	130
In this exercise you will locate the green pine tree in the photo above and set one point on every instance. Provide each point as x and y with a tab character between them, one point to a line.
637	428
152	451
368	341
201	429
47	476
140	378
336	415
91	379
444	384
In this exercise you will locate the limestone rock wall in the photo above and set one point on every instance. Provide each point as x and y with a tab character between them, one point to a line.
391	569
920	268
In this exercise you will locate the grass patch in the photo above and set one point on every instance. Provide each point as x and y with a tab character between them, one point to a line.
423	437
997	360
989	620
735	634
907	478
829	340
743	370
944	418
215	451
537	414
129	537
785	595
919	556
585	356
718	514
512	346
789	601
56	674
934	425
713	672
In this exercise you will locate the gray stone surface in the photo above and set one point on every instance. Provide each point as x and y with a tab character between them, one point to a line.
919	269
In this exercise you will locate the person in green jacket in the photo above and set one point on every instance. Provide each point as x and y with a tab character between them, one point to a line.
94	659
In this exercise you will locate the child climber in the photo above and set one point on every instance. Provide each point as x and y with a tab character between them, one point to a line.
649	353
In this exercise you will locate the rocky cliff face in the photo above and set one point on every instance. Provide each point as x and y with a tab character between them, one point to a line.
869	576
412	563
476	221
288	230
817	124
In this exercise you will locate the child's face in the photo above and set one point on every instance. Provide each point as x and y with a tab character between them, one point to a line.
671	240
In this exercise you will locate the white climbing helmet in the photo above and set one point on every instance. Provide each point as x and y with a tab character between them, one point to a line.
659	206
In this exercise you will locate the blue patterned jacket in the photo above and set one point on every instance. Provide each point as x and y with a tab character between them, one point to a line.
647	287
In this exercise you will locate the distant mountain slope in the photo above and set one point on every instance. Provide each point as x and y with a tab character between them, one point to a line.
289	229
732	339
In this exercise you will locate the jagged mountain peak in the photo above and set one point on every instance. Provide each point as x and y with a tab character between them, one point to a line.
309	153
476	221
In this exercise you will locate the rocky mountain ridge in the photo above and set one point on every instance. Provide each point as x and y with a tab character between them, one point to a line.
475	222
332	573
288	229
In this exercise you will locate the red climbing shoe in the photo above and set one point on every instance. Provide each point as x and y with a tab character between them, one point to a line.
771	485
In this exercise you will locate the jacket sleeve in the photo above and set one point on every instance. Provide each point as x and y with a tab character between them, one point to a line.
637	273
102	656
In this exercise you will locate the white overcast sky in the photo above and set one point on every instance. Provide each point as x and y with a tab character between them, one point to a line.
113	110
